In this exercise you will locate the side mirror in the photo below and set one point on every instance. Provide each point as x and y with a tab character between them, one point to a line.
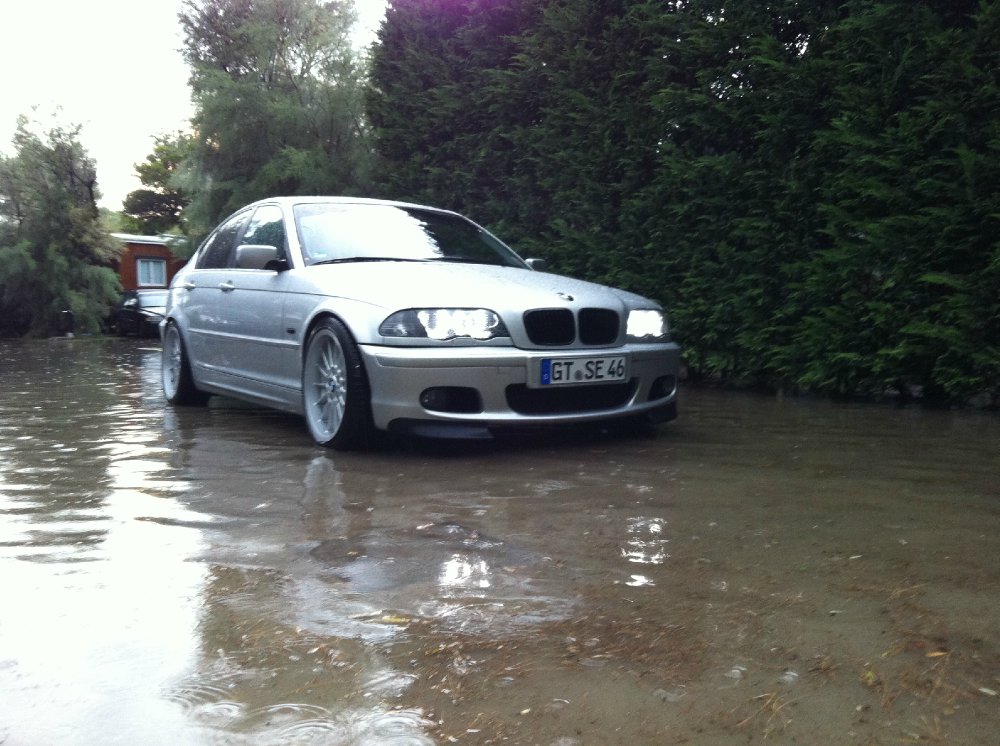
259	256
539	265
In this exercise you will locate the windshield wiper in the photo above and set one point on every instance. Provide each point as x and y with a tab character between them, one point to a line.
465	260
347	259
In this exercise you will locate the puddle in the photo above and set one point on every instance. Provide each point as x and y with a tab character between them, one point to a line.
792	570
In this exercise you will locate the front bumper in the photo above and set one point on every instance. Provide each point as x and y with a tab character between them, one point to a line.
398	378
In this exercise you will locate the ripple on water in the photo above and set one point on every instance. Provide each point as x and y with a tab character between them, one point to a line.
310	724
396	728
207	704
195	696
318	731
285	714
218	714
497	618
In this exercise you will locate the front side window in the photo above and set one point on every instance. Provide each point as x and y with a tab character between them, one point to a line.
267	228
219	250
151	272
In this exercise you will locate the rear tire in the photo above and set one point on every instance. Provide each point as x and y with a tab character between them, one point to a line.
335	394
178	384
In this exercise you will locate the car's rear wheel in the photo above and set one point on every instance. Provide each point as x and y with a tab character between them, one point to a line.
178	385
335	393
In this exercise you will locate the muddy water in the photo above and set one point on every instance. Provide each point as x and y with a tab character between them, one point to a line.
803	572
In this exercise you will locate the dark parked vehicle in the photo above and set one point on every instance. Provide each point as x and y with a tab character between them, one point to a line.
140	312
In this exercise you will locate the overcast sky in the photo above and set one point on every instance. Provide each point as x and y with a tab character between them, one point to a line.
112	66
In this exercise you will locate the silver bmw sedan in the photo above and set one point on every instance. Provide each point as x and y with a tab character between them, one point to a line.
368	315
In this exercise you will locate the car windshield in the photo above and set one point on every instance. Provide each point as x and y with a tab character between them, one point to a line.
336	232
148	300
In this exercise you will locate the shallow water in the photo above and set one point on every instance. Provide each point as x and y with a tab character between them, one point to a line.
800	571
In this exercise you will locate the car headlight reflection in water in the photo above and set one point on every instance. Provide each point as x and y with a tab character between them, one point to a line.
444	323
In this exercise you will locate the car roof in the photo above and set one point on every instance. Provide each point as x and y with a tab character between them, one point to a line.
302	200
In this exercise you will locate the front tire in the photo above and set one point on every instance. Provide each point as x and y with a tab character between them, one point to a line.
335	394
178	384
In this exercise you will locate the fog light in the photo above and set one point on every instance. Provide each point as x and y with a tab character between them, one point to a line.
455	399
662	387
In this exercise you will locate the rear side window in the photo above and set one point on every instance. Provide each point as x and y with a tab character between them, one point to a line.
220	248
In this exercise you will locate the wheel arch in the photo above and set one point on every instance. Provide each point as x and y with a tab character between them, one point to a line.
356	317
315	321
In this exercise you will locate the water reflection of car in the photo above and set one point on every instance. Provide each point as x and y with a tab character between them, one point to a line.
366	315
140	312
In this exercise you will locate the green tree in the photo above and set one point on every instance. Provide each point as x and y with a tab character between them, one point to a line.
158	207
54	253
278	91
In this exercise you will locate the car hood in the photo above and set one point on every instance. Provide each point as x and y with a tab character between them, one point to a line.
398	285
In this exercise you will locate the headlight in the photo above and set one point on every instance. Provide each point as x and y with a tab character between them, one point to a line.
647	325
444	323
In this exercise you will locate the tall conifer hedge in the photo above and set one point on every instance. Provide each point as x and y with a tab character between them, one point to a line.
811	188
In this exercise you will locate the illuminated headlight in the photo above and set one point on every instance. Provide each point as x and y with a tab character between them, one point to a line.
647	325
444	323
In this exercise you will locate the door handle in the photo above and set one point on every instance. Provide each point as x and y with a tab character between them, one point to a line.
227	286
189	285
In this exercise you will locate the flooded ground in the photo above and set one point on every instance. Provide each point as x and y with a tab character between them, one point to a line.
792	571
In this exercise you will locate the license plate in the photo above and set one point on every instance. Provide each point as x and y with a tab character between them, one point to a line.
579	370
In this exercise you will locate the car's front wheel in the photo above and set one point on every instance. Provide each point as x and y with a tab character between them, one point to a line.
335	394
178	385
